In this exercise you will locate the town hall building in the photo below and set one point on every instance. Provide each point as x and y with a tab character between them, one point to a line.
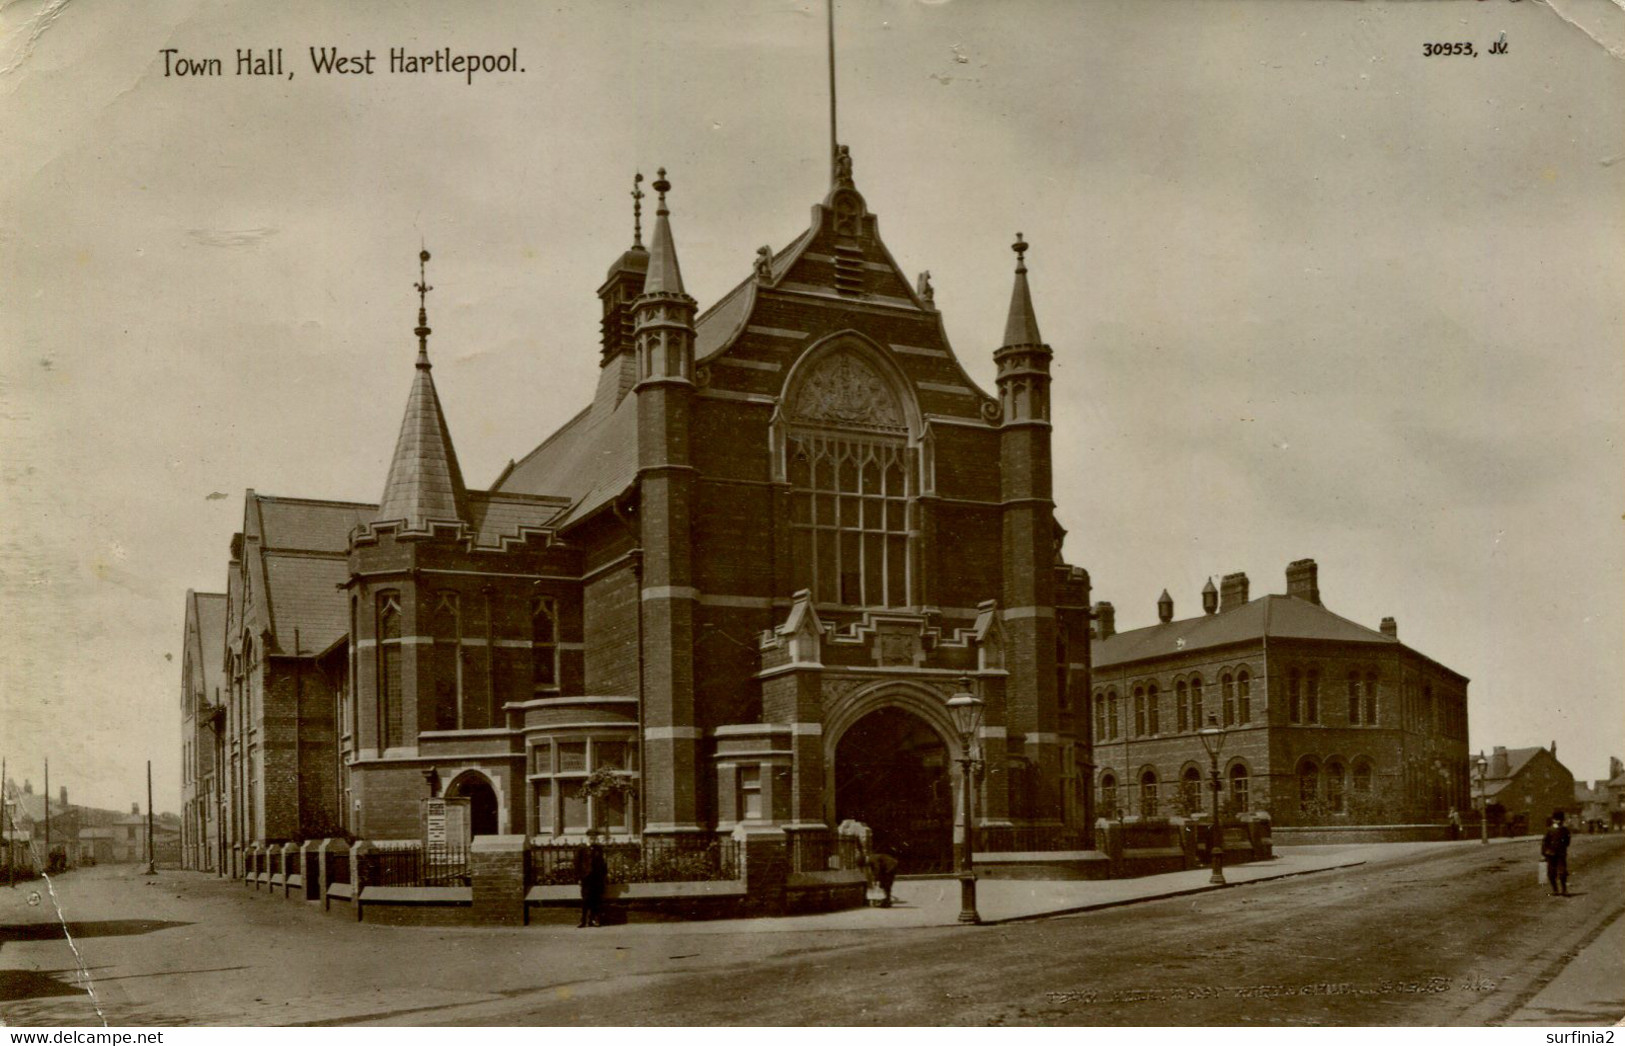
739	586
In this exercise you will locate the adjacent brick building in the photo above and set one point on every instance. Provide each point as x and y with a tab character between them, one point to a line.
1524	786
739	585
203	649
1326	721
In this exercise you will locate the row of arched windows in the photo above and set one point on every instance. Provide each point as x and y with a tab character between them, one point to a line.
1146	796
1326	785
1144	714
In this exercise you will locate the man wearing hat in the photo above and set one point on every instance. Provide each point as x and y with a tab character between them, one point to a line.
1554	848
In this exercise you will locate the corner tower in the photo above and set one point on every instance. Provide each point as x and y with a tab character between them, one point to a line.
1030	550
663	318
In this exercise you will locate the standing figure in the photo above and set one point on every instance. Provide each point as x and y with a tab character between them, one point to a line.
1554	847
882	870
593	872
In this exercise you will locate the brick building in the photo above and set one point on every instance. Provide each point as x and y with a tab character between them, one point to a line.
1326	721
203	649
739	585
1523	786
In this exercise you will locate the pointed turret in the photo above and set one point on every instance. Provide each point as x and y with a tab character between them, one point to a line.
1022	326
1165	607
665	277
663	315
1210	598
424	482
623	284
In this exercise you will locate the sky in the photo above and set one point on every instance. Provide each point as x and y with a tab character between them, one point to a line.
1311	294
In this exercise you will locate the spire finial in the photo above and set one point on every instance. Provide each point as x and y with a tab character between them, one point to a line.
1020	247
423	290
637	209
829	19
661	186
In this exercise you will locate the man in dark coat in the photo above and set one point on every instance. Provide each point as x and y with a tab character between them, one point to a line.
882	869
593	872
1554	847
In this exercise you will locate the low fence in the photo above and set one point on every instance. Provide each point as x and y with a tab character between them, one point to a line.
823	852
653	860
1046	839
394	864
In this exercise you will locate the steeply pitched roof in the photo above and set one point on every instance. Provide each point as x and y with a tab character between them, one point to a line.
1276	616
425	482
295	557
206	639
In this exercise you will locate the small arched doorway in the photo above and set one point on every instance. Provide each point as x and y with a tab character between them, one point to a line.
482	802
892	773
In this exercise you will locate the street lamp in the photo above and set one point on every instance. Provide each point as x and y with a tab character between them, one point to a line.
966	710
1481	767
1212	736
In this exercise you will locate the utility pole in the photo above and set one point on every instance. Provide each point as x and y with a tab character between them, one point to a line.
47	812
151	867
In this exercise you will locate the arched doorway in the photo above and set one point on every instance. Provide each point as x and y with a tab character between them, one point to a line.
892	773
482	802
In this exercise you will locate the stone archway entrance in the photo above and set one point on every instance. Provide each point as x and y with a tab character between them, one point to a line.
892	772
482	802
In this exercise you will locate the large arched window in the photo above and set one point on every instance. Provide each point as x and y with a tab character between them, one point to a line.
1196	702
1139	711
1311	696
1108	793
1111	715
1100	717
1361	777
845	435
1333	775
1181	709
1190	790
1153	699
1148	793
1239	790
1244	697
1371	699
445	626
544	643
1308	784
1294	696
1227	695
1354	698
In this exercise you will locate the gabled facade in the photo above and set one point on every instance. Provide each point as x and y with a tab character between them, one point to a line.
1326	721
743	581
1523	787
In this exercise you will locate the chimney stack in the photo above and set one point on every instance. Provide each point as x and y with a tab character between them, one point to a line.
1165	607
1390	628
1303	580
1498	763
1105	620
1210	598
1232	591
62	797
135	809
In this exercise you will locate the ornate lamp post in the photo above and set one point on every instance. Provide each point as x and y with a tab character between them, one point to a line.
1212	736
966	709
1481	767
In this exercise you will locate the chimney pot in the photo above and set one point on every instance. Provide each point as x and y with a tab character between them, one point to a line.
1390	628
1303	580
1105	620
1232	591
1165	607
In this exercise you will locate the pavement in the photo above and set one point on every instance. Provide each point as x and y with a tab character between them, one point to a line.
187	947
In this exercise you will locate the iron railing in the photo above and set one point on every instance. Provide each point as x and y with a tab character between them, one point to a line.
660	860
822	852
411	865
1019	839
338	866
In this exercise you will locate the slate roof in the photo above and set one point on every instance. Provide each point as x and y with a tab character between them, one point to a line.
208	613
424	481
1275	616
296	556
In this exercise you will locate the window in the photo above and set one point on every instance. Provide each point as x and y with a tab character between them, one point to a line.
1139	711
1354	699
544	643
1311	695
1238	788
557	770
1148	794
1100	717
1334	787
1196	703
1227	690
750	793
1429	724
1244	697
1308	784
1181	710
1362	777
389	669
849	500
445	626
1190	790
1111	712
1153	698
1371	699
1108	793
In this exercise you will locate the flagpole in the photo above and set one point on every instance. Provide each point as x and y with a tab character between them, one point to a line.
829	11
